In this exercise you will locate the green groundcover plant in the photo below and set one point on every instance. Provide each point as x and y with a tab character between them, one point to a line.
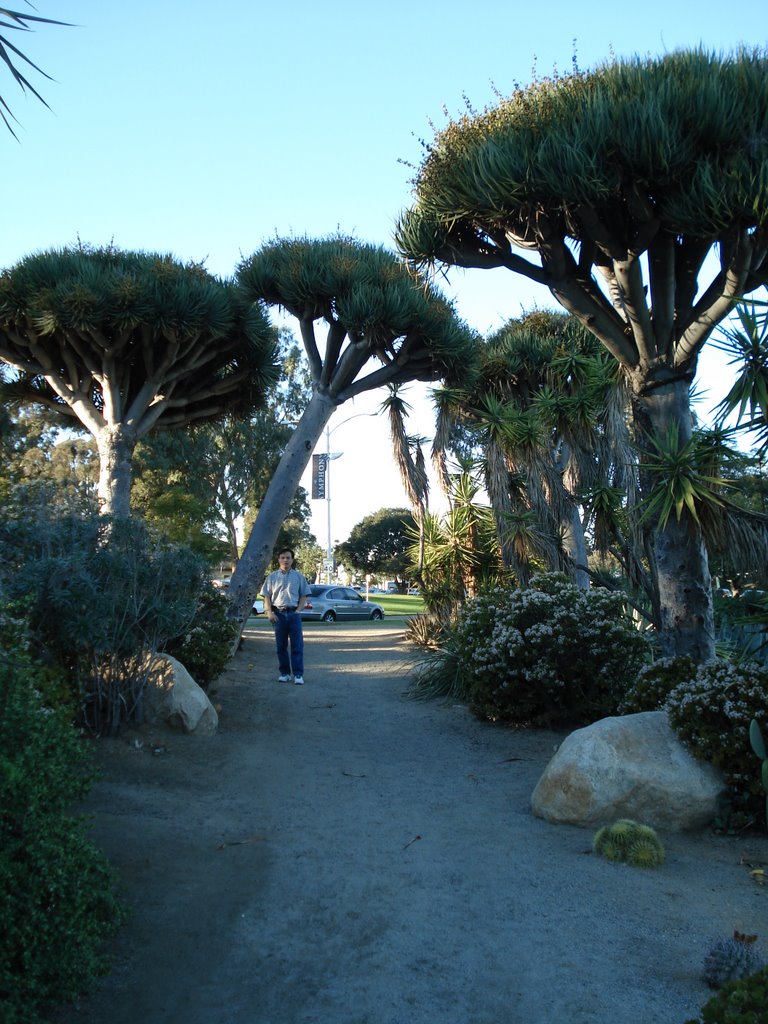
739	1002
57	895
549	654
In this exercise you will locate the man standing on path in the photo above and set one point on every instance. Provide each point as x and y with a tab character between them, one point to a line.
285	593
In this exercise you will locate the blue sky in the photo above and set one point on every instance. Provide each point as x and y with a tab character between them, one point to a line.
206	129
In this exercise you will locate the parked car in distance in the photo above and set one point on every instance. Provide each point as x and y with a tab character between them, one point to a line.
329	603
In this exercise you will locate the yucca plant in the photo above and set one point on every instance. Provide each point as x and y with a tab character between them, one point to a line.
542	409
679	483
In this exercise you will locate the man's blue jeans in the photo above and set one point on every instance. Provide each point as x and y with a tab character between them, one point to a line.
288	629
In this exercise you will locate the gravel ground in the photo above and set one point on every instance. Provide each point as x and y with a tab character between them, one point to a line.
338	854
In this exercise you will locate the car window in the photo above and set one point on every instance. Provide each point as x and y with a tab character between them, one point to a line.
336	594
351	595
316	591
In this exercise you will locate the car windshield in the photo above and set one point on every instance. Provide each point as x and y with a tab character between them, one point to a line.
316	591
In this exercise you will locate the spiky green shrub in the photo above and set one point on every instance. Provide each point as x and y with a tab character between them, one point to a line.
57	897
549	654
629	842
711	713
730	959
428	631
204	647
651	687
738	1002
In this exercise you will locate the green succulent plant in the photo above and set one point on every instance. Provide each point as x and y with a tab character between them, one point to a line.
627	841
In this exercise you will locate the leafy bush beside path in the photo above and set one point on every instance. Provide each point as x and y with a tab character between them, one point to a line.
57	896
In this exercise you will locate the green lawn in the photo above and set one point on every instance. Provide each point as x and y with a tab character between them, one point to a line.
396	606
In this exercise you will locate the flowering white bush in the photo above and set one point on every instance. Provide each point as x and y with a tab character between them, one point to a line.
547	654
650	690
711	713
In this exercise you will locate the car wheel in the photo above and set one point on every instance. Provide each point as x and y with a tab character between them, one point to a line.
377	614
329	616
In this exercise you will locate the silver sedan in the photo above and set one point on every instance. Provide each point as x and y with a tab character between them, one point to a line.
329	603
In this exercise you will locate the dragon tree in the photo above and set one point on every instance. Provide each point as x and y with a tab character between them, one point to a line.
638	194
121	343
365	323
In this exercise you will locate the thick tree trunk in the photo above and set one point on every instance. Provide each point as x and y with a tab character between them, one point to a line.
116	445
250	571
681	566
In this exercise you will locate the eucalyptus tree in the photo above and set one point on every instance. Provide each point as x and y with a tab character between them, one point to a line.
378	544
34	453
121	343
365	323
638	194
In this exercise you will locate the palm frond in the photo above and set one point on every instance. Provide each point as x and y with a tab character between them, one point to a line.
748	346
19	20
736	534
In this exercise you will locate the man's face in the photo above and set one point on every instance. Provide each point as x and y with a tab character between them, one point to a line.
285	560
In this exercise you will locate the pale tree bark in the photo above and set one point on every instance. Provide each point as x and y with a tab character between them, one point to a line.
381	329
177	347
256	556
575	547
116	445
572	538
228	517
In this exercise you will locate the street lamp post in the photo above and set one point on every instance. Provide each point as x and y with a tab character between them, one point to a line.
328	457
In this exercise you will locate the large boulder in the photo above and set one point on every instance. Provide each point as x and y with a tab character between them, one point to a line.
629	767
172	696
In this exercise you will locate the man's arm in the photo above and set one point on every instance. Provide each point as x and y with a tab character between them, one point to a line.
268	609
303	593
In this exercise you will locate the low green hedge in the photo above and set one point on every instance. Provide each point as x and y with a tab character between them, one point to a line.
57	892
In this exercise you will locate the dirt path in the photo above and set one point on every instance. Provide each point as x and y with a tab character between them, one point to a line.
339	855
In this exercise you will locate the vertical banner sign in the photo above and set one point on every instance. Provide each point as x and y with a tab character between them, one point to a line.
318	476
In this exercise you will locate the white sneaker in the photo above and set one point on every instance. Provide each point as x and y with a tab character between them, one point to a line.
298	680
283	679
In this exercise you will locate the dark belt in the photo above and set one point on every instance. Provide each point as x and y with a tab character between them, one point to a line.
287	609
